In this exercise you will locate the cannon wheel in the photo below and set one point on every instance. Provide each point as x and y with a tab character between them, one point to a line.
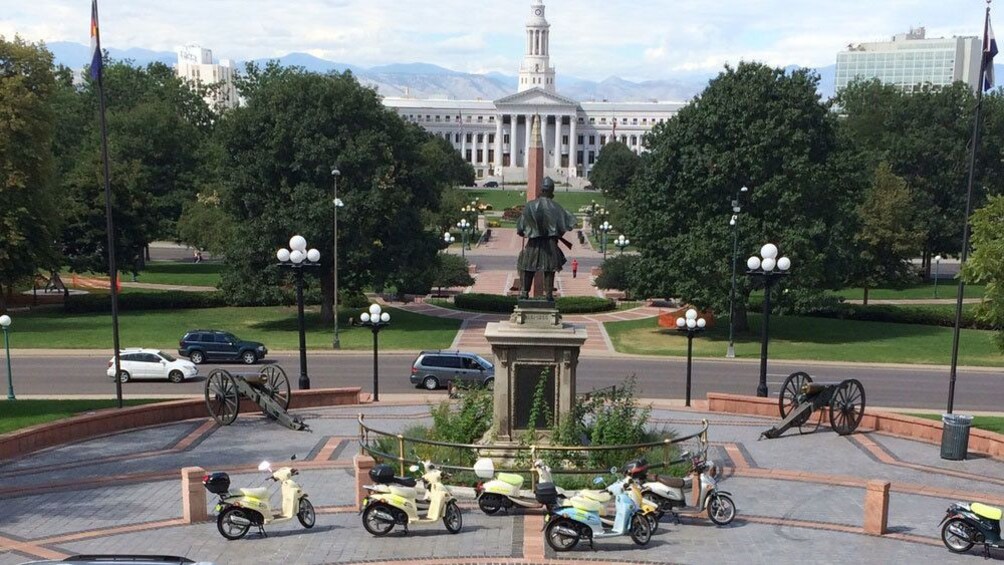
222	398
787	400
847	406
276	384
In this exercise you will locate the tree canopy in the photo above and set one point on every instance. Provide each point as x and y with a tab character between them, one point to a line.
615	166
986	263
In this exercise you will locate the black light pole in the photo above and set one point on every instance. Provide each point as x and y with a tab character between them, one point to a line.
297	257
336	204
375	319
770	268
734	222
691	325
605	228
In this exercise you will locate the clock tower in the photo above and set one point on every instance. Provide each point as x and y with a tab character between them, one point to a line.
536	70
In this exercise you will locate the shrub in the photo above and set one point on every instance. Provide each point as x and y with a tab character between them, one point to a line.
585	304
902	315
468	423
494	224
132	301
512	213
615	272
505	304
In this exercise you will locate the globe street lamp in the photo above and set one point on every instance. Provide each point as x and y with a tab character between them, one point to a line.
734	222
621	242
464	225
298	258
375	319
449	239
937	273
591	213
691	325
605	228
337	203
771	268
4	325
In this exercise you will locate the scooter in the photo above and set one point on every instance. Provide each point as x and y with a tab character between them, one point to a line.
566	526
237	512
649	509
398	504
503	491
669	493
966	525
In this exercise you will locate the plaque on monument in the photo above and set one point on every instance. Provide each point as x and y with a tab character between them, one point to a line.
527	378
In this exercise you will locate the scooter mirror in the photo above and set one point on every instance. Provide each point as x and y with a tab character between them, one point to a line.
413	468
598	481
613	470
264	466
685	455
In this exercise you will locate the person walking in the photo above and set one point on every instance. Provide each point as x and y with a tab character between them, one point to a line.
575	267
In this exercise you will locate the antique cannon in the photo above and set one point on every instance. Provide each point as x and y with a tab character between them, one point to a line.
268	388
800	397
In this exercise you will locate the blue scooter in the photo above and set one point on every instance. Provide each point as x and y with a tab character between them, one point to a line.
567	525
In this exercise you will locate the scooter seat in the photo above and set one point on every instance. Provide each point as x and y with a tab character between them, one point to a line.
404	481
259	493
672	482
600	496
511	479
586	504
406	492
989	512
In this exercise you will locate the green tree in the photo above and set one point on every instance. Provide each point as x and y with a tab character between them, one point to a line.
279	148
205	225
888	236
755	126
615	166
29	218
986	263
450	271
616	272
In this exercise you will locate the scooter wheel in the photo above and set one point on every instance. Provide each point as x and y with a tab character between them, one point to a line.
557	534
306	515
228	525
952	540
641	533
373	523
653	521
490	503
721	509
452	518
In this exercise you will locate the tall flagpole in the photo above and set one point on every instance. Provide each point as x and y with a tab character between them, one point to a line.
112	270
969	207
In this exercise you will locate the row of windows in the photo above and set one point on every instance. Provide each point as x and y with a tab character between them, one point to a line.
632	140
535	81
448	118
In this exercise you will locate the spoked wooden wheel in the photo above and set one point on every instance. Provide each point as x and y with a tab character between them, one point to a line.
791	390
222	398
847	406
276	384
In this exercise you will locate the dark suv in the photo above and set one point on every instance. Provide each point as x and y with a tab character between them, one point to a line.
204	345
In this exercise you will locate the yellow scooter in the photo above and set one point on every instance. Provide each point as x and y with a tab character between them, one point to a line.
252	507
392	503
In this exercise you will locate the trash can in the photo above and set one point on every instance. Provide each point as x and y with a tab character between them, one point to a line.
955	436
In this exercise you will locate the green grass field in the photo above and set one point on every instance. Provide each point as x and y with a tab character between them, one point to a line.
19	414
946	290
166	272
502	199
816	339
274	326
989	423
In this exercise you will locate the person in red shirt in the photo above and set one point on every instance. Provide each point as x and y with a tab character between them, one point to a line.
575	267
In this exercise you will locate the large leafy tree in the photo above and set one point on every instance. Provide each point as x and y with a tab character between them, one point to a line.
615	166
29	219
986	263
279	149
755	126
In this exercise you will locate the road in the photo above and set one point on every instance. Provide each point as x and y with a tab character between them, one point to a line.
901	387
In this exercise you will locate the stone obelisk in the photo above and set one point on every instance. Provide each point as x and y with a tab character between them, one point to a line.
534	163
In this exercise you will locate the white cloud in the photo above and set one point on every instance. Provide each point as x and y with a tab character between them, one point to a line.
589	38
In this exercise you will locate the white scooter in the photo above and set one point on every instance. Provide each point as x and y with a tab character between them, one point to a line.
669	493
252	506
502	491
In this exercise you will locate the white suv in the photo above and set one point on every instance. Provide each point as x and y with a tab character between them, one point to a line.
138	363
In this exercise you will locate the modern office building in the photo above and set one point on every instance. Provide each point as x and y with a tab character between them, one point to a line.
196	64
911	61
494	135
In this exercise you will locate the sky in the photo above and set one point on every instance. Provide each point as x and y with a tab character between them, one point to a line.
591	39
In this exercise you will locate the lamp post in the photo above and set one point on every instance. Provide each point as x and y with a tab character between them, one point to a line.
337	203
449	239
937	273
605	228
691	325
375	320
464	225
298	258
621	242
4	325
765	268
734	222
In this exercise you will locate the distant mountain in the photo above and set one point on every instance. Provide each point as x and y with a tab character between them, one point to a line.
413	69
77	56
309	62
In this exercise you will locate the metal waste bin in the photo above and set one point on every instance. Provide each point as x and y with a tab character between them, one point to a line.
955	436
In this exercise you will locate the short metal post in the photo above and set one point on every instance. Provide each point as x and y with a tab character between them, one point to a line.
400	452
304	379
690	359
10	377
376	378
761	389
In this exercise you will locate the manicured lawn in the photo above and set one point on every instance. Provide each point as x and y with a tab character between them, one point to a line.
818	339
166	272
502	199
989	423
23	413
274	326
946	290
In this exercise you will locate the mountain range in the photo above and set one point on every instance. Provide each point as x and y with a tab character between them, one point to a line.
423	80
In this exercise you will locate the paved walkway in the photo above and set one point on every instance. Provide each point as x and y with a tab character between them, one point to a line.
799	498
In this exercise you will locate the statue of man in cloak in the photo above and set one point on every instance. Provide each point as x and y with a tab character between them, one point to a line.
543	223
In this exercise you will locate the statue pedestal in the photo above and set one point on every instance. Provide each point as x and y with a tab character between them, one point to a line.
534	339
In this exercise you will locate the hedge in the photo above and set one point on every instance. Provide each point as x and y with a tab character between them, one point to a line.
505	304
170	300
889	313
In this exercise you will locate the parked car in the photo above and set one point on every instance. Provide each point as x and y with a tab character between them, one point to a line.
435	369
204	345
139	363
490	184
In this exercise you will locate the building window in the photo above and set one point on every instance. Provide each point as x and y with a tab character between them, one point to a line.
624	121
491	119
468	119
481	119
634	141
564	141
603	120
634	121
467	157
447	119
592	157
581	139
469	137
603	140
456	139
481	137
644	121
578	157
582	120
428	118
592	120
491	138
592	140
438	117
624	139
505	138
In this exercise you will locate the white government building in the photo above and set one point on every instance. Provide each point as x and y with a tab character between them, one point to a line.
493	135
196	65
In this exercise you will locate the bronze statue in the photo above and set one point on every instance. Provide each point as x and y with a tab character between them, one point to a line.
543	223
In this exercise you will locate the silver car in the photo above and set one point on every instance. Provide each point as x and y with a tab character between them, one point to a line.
435	369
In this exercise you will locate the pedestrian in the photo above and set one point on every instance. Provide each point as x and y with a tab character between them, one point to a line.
198	256
575	267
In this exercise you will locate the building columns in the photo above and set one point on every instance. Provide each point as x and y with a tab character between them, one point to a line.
498	144
526	144
573	147
557	141
463	142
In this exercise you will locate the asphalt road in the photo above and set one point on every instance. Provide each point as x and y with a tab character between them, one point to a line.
909	387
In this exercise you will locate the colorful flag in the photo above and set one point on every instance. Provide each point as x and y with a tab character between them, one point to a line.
989	52
95	42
